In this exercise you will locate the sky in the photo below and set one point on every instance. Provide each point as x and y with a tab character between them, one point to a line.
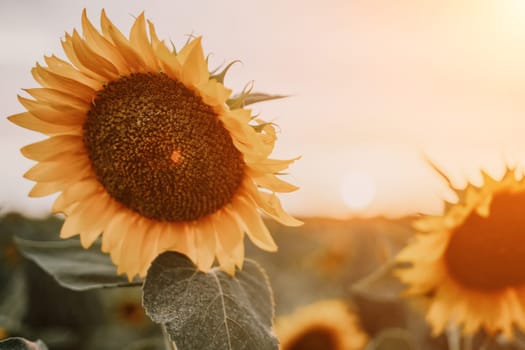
377	88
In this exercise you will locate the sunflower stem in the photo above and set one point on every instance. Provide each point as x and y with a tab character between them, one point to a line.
453	337
168	344
486	342
467	342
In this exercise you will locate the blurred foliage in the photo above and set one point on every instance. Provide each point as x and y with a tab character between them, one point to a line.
324	259
34	306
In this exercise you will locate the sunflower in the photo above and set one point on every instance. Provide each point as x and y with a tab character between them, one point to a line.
148	149
468	263
326	325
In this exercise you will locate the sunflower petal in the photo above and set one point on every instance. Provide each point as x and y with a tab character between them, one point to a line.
54	98
91	60
113	234
65	69
270	204
95	218
194	67
119	40
29	121
151	247
139	40
102	46
271	182
246	212
132	242
49	79
56	170
50	147
205	241
75	193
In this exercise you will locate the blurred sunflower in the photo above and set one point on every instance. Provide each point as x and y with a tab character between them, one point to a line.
147	146
469	262
327	325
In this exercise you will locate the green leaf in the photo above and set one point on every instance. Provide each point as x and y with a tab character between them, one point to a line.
210	311
21	344
72	266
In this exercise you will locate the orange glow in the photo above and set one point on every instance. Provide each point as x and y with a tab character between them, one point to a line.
176	156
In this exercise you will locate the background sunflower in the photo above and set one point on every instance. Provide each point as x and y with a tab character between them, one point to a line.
468	261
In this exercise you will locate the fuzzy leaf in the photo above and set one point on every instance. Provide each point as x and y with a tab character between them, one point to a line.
21	344
210	311
72	266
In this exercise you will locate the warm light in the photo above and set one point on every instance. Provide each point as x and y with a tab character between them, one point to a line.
358	190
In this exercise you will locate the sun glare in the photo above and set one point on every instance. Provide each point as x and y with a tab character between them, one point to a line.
358	190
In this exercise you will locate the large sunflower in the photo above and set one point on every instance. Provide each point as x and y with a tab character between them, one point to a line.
469	262
147	147
326	325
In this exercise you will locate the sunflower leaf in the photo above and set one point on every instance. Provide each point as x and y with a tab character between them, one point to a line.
72	266
21	344
213	310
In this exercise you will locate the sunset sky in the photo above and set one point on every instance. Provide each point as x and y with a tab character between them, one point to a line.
376	87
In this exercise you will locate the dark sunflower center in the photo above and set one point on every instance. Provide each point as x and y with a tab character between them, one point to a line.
487	253
158	149
315	339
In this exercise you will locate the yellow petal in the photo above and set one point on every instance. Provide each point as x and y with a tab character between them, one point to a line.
270	204
151	248
49	115
29	121
75	222
194	67
226	261
56	170
53	97
205	243
184	53
272	166
271	182
228	231
91	60
185	242
65	69
75	193
139	40
70	227
102	46
255	229
52	80
69	48
214	93
114	232
427	248
171	233
48	148
95	218
41	189
128	53
132	242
